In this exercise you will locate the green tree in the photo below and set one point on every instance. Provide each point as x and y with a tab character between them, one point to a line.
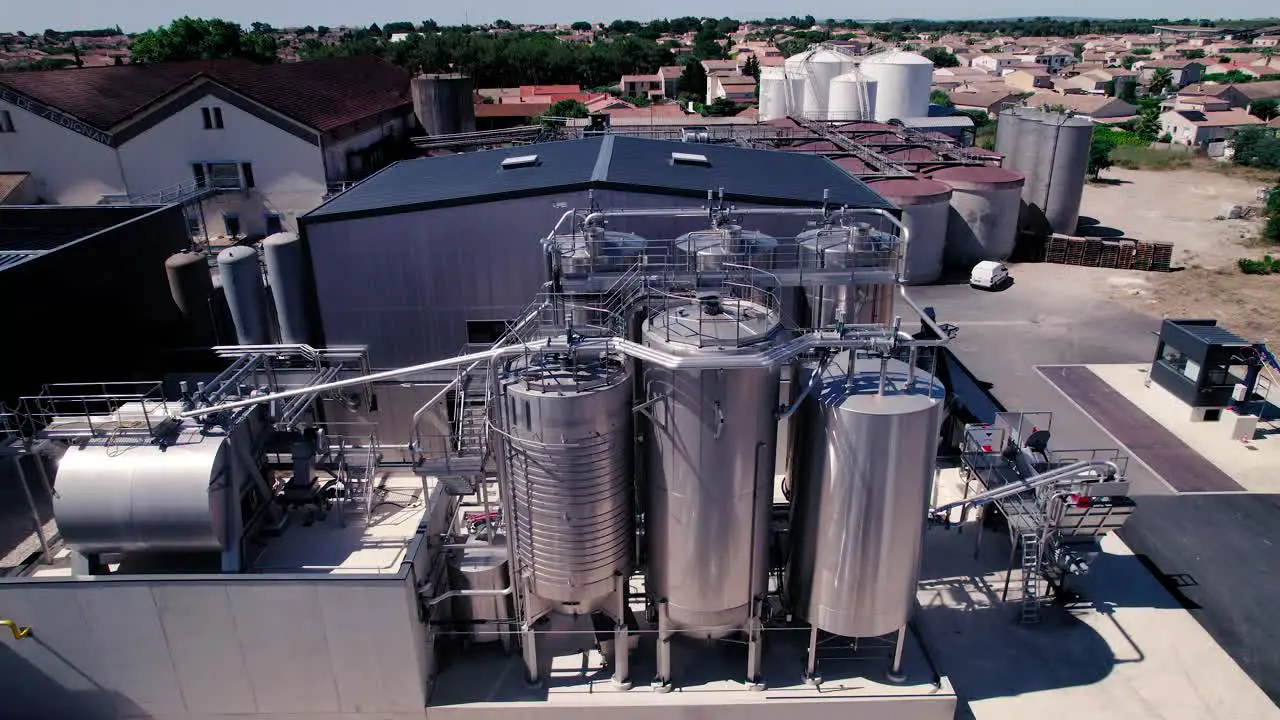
1100	154
723	107
568	108
1257	147
693	80
1193	54
939	97
200	39
1147	126
1265	109
941	57
75	52
580	26
751	67
1161	80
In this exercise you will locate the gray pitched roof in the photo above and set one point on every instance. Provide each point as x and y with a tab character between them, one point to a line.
605	162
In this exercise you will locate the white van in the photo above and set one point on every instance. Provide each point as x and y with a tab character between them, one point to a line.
988	274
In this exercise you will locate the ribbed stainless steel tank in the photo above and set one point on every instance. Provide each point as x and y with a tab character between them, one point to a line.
711	459
861	492
984	212
569	458
287	275
926	205
598	250
191	285
709	250
1067	173
481	566
850	246
241	277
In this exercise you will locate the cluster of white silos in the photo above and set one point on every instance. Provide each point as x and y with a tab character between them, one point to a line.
826	83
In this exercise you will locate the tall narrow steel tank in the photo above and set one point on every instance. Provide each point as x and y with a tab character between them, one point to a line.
568	453
191	286
287	273
712	442
1067	174
241	276
861	491
851	246
710	250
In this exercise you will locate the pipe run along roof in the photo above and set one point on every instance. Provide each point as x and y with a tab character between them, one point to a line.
605	162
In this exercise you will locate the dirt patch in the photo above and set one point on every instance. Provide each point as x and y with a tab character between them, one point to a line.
1181	207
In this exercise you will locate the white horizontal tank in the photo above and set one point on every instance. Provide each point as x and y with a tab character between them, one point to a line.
903	80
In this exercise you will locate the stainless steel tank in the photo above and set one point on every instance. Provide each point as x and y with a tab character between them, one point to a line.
712	444
287	273
710	250
1009	135
115	499
599	250
241	277
984	213
191	285
926	205
1067	173
481	566
1034	160
569	458
861	492
840	247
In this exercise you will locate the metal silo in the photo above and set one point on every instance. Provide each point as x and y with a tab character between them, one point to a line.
778	97
903	82
866	448
711	249
1008	135
191	285
444	103
1067	173
1034	159
848	247
852	97
567	429
241	277
712	445
818	66
926	206
287	273
984	212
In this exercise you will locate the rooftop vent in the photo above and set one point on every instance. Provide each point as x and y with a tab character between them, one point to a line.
519	161
680	158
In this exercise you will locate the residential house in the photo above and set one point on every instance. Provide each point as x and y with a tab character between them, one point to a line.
1184	72
1244	95
736	88
271	139
670	75
1027	79
1200	103
649	86
1100	81
1099	108
712	66
1266	41
988	100
499	116
1054	58
995	63
1196	128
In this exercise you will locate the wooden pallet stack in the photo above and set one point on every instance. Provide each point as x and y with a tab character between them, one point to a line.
1117	254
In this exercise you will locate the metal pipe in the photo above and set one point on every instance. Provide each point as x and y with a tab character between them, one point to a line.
1030	483
45	557
489	519
942	338
471	593
813	383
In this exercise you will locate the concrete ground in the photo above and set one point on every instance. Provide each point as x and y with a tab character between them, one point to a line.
1211	552
1126	649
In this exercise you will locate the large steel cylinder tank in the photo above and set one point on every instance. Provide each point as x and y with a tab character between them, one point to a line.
598	250
852	97
710	250
902	80
1067	173
191	285
568	454
444	103
984	212
145	499
712	441
1008	134
851	246
287	275
241	276
818	66
861	492
1034	159
926	206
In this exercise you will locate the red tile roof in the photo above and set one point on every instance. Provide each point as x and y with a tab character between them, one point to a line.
321	94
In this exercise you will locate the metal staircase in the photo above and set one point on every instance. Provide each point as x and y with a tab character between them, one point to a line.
1030	578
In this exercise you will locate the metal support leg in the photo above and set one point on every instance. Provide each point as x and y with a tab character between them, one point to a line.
755	646
531	677
811	669
621	645
895	673
45	556
977	544
662	682
1008	574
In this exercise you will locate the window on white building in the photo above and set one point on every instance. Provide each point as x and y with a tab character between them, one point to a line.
212	118
274	225
6	121
224	175
231	223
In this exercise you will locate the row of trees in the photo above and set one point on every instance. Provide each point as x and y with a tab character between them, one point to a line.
199	39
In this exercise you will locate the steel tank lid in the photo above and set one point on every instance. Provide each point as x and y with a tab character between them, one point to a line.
979	177
732	238
911	191
712	321
562	374
185	258
237	254
857	389
601	243
897	57
280	238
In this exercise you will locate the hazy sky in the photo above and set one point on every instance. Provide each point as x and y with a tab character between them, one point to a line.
135	15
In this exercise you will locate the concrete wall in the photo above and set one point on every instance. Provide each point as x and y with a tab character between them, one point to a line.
66	167
257	648
335	151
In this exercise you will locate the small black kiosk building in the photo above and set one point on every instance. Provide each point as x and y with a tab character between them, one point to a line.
1201	363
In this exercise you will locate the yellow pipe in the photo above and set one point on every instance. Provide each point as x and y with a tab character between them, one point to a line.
19	631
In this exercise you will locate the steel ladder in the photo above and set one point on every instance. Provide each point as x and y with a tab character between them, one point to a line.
1030	578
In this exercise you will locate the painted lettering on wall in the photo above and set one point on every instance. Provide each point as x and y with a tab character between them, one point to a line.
23	102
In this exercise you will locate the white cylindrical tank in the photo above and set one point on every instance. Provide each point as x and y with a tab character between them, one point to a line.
775	92
818	66
241	275
852	97
926	207
902	80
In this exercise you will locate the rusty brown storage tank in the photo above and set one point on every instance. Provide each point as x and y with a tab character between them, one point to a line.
984	212
926	207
